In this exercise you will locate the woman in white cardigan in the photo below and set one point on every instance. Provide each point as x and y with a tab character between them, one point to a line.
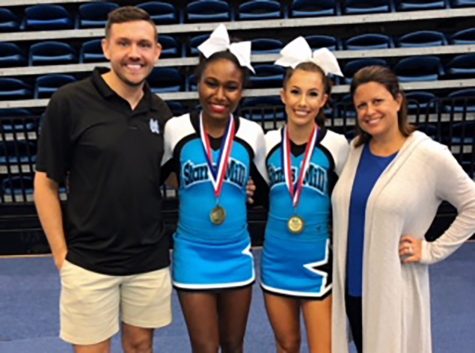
383	204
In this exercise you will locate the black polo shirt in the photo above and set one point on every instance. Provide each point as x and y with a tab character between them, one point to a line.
110	157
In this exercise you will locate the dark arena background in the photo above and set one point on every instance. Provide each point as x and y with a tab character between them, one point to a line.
430	44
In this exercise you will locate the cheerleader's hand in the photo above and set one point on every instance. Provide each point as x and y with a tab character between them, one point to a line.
250	190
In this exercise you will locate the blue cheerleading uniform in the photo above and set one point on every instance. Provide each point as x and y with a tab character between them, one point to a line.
299	265
206	255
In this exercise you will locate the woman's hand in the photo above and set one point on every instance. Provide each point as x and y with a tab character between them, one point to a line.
410	249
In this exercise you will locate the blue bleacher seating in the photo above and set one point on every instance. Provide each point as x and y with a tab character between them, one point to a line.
461	66
91	51
46	85
318	41
419	68
52	53
17	151
17	186
312	8
165	79
11	120
191	84
263	109
461	100
267	76
465	36
259	10
369	41
13	88
345	108
161	12
94	14
355	7
9	22
463	133
11	55
462	3
208	11
422	39
171	48
192	49
350	68
421	101
47	17
266	46
415	5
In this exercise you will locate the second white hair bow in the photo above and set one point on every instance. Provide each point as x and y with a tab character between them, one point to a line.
219	41
298	51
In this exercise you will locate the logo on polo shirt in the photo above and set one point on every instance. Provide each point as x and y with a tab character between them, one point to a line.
154	127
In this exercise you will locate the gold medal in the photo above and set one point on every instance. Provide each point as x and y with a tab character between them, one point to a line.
217	215
296	225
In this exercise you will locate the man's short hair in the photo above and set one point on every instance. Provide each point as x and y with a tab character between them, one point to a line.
128	14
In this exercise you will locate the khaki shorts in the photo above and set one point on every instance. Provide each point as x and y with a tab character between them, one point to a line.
92	305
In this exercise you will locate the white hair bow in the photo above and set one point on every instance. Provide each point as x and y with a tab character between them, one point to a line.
298	51
219	41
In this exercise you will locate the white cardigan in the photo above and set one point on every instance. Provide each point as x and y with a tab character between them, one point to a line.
404	201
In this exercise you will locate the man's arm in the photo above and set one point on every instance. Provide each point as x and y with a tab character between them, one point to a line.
48	206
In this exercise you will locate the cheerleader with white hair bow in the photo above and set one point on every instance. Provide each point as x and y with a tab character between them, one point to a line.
214	153
303	161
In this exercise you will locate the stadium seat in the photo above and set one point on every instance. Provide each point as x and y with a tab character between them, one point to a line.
463	133
192	48
191	84
351	67
208	11
462	3
17	187
17	151
461	66
13	88
355	7
263	109
266	46
312	8
9	22
52	53
11	55
17	120
94	14
161	12
415	5
421	101
422	39
267	76
259	10
461	100
345	107
419	68
369	41
46	85
171	48
318	41
47	17
465	36
165	79
91	51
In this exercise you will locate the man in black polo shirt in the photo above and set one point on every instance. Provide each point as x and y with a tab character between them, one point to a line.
104	135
